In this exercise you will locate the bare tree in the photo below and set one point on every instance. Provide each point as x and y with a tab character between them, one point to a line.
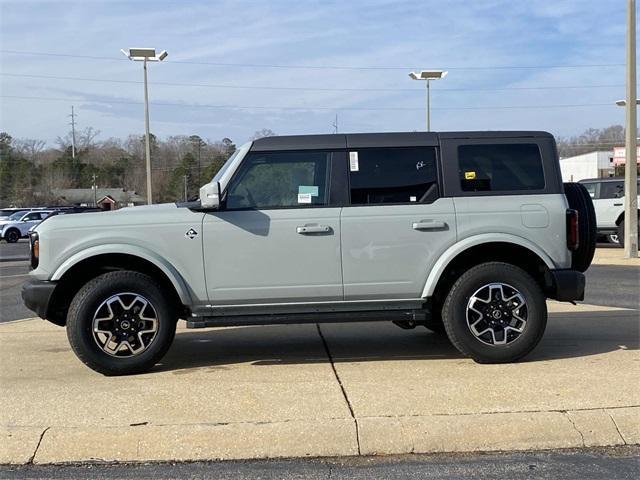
265	132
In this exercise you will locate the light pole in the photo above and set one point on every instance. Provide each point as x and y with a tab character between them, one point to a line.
146	55
428	75
631	143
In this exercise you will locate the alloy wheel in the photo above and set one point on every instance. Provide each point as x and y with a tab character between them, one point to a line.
497	314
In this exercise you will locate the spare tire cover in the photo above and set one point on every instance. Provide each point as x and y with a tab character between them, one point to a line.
580	200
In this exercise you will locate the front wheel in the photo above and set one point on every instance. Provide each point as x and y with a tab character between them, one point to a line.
121	323
495	313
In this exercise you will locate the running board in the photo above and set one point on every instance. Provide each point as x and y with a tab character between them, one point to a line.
312	317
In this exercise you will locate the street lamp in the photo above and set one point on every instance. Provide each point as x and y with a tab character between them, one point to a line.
623	103
428	75
146	55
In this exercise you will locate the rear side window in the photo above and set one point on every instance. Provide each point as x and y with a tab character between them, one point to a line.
393	175
612	190
500	168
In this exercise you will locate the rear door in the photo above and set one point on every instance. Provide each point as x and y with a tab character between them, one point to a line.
396	224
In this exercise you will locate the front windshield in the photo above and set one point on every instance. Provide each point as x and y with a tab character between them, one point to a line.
16	216
240	151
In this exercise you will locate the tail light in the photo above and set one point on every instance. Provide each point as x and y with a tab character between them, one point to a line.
34	249
573	237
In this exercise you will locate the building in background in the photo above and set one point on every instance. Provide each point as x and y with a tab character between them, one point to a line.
588	165
104	198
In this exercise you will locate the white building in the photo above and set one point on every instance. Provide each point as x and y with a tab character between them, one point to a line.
588	165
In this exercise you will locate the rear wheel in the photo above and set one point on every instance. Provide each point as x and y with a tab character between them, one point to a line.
12	235
495	313
121	323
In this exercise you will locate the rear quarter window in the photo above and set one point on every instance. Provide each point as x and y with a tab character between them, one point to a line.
500	167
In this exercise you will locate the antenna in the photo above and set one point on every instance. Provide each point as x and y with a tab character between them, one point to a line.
335	124
73	133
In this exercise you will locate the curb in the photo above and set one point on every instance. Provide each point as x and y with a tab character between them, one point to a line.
482	432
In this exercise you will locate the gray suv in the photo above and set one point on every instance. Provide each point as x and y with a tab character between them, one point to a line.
465	233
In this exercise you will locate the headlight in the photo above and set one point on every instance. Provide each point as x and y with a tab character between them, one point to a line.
34	249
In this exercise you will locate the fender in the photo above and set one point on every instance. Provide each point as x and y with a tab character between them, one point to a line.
466	243
122	248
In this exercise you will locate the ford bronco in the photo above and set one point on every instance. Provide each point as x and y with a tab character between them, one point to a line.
465	233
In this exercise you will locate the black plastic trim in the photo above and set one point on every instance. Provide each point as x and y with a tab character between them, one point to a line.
567	285
36	295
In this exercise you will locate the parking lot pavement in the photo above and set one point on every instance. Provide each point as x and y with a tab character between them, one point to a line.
10	252
340	389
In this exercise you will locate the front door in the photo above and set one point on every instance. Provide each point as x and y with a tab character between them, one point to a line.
276	238
396	226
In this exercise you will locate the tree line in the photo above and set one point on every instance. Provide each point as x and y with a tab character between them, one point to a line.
30	172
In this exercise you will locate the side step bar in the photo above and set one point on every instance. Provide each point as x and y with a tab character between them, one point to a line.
312	317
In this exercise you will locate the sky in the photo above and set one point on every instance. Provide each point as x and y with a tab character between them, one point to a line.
235	67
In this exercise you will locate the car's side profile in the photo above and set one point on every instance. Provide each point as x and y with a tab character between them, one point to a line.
607	195
463	232
18	225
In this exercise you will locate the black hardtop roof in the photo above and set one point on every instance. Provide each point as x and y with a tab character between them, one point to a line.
364	140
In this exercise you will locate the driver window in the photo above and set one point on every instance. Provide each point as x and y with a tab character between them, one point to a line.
280	180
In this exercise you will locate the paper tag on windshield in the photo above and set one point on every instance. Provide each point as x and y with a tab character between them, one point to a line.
304	198
353	162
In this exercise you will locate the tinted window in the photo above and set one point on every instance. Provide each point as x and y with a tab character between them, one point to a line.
392	175
500	167
612	190
33	216
591	188
281	179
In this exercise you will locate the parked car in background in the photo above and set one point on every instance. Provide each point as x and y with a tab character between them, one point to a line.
5	213
19	223
607	195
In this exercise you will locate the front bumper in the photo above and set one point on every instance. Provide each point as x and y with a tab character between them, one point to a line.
567	285
36	295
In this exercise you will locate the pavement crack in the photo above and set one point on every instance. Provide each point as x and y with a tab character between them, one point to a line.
566	414
35	452
617	428
344	392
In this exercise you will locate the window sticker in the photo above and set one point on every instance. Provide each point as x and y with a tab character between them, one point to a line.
470	175
353	162
310	189
420	165
413	199
304	198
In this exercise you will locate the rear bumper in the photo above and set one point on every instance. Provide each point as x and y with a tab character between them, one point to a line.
36	295
567	285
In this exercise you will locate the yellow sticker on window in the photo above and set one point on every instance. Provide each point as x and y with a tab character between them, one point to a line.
469	175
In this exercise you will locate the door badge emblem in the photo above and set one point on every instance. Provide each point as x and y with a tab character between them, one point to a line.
191	234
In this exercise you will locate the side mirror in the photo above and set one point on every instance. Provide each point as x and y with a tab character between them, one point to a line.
210	195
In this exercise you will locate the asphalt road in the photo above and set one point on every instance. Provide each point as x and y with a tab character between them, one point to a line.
610	464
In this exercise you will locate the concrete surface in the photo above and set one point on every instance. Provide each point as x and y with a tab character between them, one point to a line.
340	389
613	256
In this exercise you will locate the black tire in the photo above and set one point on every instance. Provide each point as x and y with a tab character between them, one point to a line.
12	235
621	232
92	297
580	200
454	313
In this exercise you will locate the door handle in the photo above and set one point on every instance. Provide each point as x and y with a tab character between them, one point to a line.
429	225
617	204
305	229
